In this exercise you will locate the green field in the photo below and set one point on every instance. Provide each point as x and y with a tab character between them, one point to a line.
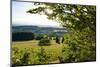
52	52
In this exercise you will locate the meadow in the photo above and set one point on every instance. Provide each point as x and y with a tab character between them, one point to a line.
29	52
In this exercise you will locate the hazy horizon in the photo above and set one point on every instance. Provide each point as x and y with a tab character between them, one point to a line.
36	25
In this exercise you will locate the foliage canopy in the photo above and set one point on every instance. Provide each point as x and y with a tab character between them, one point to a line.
80	21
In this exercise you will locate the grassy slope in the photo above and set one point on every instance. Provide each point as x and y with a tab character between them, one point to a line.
53	50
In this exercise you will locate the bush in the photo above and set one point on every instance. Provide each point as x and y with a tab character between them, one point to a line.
44	42
80	48
42	57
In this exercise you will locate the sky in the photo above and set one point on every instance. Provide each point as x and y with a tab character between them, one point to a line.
20	17
83	2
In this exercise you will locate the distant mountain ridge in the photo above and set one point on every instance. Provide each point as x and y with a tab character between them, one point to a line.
39	29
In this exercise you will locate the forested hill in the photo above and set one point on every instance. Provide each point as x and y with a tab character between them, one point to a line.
39	29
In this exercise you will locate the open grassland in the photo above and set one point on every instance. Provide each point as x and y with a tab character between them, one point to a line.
52	52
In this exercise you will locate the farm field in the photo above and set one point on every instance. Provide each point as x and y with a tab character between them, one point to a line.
31	47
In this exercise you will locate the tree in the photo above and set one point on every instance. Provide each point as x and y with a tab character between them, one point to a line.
57	40
39	37
79	48
76	17
80	21
62	40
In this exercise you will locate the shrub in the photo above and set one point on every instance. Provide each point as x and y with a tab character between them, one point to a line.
44	42
79	48
25	58
20	57
42	57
